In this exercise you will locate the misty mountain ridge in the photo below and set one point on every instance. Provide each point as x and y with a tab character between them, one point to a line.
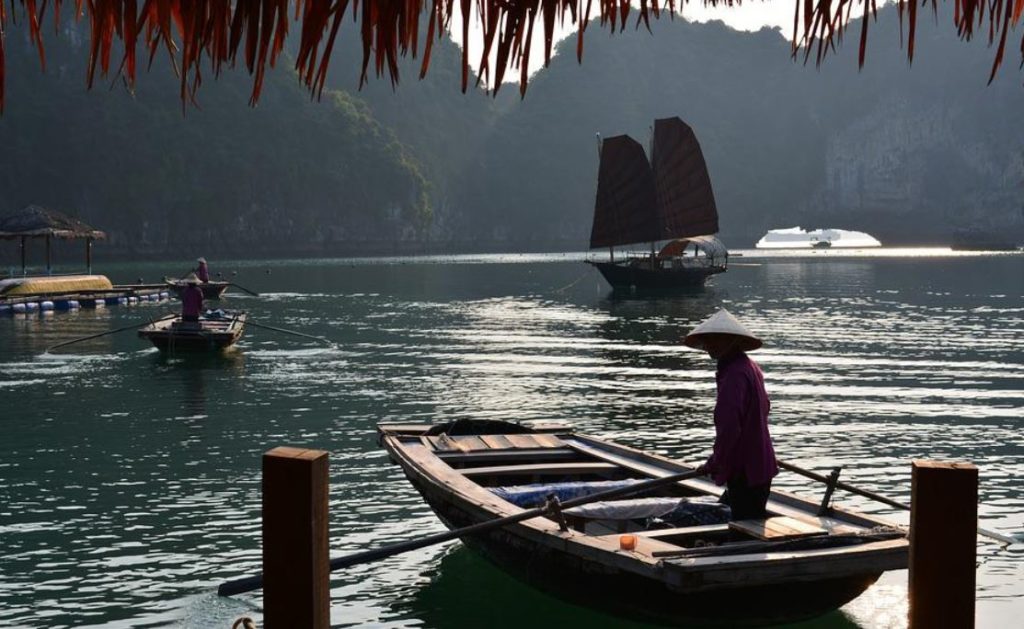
907	154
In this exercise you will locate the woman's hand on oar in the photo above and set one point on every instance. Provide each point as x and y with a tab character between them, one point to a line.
1000	537
248	584
134	326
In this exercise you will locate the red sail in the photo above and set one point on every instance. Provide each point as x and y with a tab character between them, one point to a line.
625	211
685	202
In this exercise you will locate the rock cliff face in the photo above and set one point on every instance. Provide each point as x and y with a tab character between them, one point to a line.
919	172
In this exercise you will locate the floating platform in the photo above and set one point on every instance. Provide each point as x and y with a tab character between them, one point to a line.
29	295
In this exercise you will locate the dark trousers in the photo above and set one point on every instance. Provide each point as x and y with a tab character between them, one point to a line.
746	502
190	318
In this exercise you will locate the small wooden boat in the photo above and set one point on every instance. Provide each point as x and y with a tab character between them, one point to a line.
210	333
211	290
668	555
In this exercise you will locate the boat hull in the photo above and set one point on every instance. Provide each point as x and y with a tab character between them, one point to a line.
630	595
207	336
672	586
627	276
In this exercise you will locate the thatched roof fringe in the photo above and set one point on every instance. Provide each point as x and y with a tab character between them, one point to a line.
217	30
34	221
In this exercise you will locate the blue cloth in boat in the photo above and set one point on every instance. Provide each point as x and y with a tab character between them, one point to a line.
671	511
529	496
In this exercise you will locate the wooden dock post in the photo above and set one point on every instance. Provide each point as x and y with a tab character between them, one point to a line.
296	572
943	544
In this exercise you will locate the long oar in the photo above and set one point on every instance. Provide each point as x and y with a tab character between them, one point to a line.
1006	539
255	582
108	332
282	330
251	292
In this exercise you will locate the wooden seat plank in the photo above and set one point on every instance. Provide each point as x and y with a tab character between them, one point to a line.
497	442
549	441
469	443
777	528
524	441
505	456
541	469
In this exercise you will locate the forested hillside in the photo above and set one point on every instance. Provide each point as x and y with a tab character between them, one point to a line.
288	176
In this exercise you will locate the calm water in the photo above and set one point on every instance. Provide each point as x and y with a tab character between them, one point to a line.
129	485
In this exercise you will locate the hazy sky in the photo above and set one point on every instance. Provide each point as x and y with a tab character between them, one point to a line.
750	16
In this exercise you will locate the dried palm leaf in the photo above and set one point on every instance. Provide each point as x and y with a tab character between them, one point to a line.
217	30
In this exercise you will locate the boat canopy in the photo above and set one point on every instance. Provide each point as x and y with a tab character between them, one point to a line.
709	245
642	201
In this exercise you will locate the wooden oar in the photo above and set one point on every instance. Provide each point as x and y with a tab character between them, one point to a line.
1006	539
255	582
108	332
282	330
253	293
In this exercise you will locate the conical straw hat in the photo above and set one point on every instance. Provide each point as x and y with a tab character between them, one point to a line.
191	278
722	322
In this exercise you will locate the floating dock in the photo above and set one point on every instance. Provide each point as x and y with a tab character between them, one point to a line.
116	295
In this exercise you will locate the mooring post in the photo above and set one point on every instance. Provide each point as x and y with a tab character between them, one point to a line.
296	573
943	540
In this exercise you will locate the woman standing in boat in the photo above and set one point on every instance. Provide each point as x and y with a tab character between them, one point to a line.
191	299
202	271
743	457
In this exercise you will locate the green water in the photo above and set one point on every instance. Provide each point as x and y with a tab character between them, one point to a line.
129	485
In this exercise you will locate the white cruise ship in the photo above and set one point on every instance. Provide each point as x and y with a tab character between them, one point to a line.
797	238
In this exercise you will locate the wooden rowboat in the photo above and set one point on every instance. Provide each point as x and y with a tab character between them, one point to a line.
669	555
211	290
208	334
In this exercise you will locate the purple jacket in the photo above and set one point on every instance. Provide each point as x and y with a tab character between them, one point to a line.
191	301
743	446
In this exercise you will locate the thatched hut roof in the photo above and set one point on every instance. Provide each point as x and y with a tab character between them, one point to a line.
34	221
222	30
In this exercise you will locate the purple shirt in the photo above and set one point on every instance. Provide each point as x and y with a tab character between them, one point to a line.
191	301
743	446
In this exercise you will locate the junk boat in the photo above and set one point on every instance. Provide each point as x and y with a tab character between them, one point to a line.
669	199
211	290
213	332
668	555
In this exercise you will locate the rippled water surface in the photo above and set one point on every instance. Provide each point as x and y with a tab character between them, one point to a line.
129	482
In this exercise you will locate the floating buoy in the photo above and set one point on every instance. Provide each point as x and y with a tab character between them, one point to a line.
74	305
99	303
31	306
121	301
46	305
18	308
165	295
133	300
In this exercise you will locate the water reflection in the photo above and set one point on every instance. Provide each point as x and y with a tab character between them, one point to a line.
130	486
451	598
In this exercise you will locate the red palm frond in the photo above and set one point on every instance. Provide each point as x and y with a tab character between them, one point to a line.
194	31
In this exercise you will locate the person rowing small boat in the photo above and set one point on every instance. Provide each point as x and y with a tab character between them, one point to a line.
214	331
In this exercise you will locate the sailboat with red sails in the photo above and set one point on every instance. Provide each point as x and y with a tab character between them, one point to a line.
667	200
